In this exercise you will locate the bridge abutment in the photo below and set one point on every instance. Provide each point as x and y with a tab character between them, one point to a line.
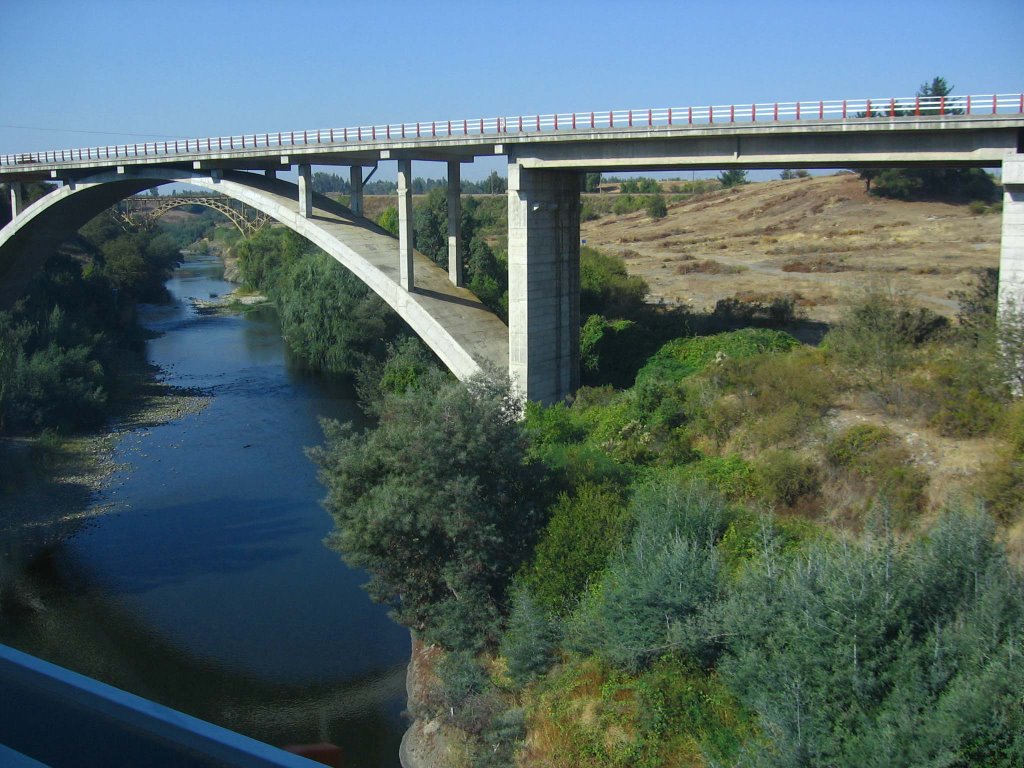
406	277
544	282
455	271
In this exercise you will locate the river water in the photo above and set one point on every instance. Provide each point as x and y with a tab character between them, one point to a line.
207	586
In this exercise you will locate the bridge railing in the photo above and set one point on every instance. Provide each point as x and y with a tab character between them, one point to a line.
625	119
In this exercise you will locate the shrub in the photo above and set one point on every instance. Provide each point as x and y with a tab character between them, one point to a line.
776	310
612	351
530	641
606	288
876	338
961	390
584	529
785	476
848	448
657	586
655	207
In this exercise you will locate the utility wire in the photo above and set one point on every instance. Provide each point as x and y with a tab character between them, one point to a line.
98	133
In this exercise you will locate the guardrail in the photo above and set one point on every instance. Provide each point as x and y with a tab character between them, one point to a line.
766	112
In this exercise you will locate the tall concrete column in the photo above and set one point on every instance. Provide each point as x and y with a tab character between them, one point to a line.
405	221
544	282
1011	256
455	271
305	192
17	200
355	202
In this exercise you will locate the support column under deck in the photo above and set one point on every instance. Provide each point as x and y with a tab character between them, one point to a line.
17	199
405	221
455	271
544	282
305	192
1011	255
355	199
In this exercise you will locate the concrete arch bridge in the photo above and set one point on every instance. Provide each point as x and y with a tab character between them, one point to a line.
547	156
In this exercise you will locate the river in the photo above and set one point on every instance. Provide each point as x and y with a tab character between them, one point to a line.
206	586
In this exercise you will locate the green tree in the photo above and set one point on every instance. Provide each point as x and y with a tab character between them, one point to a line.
437	504
592	182
733	177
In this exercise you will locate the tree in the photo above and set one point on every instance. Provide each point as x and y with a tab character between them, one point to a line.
733	177
592	182
436	504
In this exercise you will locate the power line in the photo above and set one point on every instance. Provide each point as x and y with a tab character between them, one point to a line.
98	133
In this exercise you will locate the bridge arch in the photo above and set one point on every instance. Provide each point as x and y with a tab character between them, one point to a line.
460	330
246	225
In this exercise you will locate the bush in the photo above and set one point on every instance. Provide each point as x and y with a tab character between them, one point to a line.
786	477
612	351
876	338
437	503
849	447
961	391
606	288
584	530
655	207
530	642
656	587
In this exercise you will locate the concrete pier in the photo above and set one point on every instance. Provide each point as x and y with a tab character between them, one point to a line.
455	250
355	203
544	282
1011	256
406	277
17	199
305	192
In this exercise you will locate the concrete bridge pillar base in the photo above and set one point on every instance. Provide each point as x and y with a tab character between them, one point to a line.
355	200
305	192
1011	257
405	223
455	271
544	282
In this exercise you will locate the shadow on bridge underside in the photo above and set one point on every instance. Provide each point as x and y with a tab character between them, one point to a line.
452	321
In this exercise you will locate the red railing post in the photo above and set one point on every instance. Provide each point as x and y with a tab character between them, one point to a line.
711	114
798	110
821	109
753	113
968	104
669	116
892	106
538	122
689	115
868	113
481	125
433	128
574	121
373	132
995	103
732	113
650	117
917	106
630	118
449	127
465	127
611	119
556	121
942	105
776	117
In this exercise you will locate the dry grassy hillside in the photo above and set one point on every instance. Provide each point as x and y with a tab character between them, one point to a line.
819	238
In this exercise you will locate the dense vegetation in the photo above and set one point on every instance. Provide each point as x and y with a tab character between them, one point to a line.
62	344
634	602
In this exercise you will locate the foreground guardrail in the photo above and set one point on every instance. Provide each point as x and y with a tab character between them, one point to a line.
52	716
844	109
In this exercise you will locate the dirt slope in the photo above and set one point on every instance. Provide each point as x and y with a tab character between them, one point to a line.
822	238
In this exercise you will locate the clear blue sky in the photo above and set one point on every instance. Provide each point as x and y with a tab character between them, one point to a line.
218	67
